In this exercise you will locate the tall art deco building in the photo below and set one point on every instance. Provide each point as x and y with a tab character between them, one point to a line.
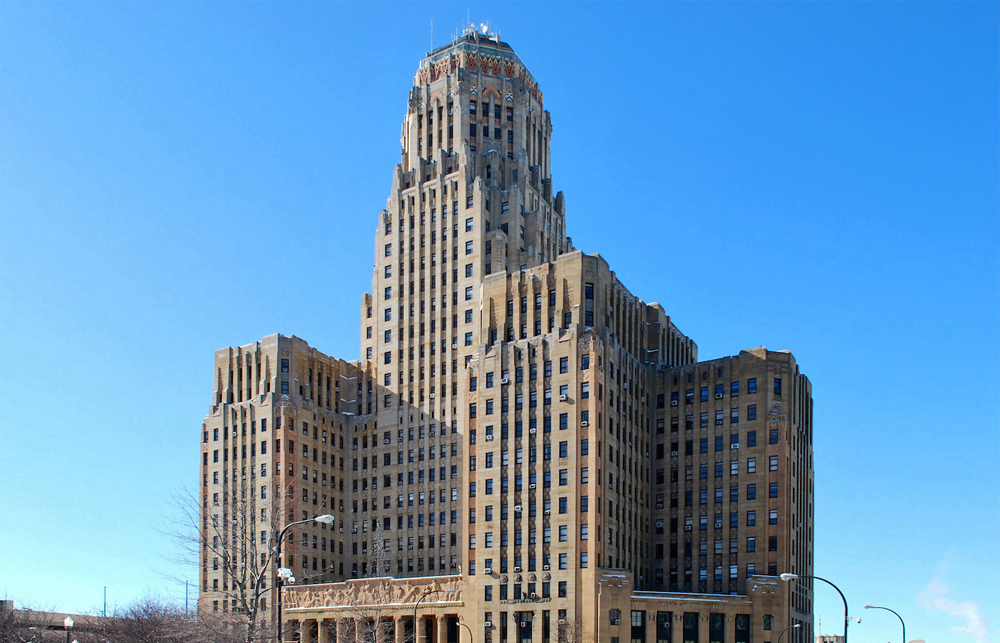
520	429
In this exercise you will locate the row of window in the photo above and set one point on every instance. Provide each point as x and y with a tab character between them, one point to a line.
734	391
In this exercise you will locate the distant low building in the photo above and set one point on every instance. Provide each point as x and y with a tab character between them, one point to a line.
38	626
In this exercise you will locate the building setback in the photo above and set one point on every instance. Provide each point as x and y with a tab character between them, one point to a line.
519	427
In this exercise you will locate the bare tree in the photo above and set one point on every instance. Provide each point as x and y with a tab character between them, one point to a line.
233	534
371	608
24	625
153	620
573	632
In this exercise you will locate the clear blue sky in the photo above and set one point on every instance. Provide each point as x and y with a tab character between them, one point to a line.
180	177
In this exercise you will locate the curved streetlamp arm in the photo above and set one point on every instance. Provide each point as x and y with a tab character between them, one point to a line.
416	630
472	639
847	619
901	621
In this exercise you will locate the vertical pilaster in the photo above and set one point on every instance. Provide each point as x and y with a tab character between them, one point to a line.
399	630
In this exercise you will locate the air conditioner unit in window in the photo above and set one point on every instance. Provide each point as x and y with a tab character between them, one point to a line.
545	568
387	441
455	345
488	624
687	527
504	380
718	422
659	523
548	512
517	508
563	397
454	565
488	571
562	621
659	505
400	439
643	398
673	402
355	447
409	546
584	423
489	438
615	621
431	396
718	525
624	384
673	454
534	595
354	531
532	485
517	569
341	530
532	431
718	396
734	445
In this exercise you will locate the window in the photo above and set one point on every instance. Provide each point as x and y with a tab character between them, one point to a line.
562	588
388	250
751	544
751	518
752	412
563	560
777	386
563	364
563	477
751	465
564	449
751	491
773	436
585	390
584	447
752	388
772	490
468	225
468	293
468	247
772	464
772	517
772	543
563	533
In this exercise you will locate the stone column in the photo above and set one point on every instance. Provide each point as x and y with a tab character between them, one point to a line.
440	629
340	625
399	631
307	631
321	633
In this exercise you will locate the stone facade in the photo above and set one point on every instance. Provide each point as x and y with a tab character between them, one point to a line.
519	425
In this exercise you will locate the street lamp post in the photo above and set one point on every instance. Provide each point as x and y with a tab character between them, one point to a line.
416	630
847	619
68	624
879	607
326	519
790	627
